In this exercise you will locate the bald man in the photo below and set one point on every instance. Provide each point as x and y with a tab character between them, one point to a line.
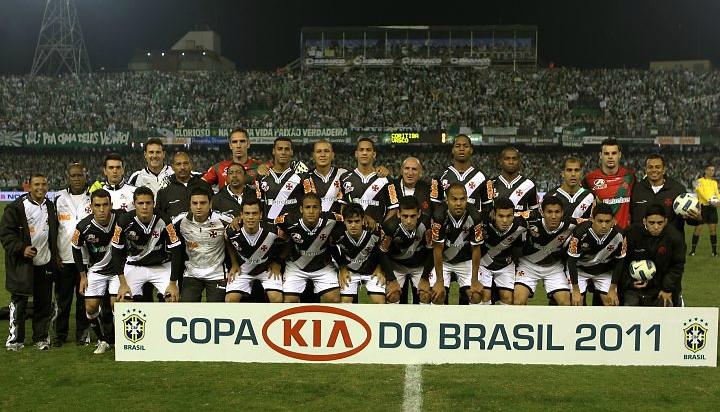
411	184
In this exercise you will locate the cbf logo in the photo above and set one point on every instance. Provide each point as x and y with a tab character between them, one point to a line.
695	333
133	321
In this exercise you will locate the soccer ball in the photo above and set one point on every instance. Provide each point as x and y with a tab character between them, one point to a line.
642	270
684	203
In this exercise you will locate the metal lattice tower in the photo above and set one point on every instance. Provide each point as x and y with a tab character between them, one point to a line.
60	47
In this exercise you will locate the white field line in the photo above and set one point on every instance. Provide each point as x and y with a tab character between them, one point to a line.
412	397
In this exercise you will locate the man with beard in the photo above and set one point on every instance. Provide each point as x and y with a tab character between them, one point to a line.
229	199
611	183
239	143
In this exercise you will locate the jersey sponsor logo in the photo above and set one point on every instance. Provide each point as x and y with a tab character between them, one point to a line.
434	189
308	186
393	194
617	200
478	233
490	189
280	219
171	234
64	217
599	184
573	248
297	332
116	235
436	231
92	239
75	237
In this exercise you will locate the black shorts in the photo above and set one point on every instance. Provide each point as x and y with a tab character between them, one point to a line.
709	214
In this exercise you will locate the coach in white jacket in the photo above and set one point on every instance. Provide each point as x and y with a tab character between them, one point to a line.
72	205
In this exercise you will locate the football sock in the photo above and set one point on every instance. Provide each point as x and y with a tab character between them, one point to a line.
96	325
713	243
695	240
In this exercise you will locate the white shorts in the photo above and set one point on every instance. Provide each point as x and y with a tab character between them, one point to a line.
553	277
462	270
137	276
295	279
371	284
601	282
404	272
504	278
243	283
99	284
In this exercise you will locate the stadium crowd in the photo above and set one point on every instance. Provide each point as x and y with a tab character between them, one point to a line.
608	102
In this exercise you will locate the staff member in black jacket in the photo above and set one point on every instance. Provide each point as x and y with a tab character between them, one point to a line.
656	240
230	197
658	188
174	199
29	233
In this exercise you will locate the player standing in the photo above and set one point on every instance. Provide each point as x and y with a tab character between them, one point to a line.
93	235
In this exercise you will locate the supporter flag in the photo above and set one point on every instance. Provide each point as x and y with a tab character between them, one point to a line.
11	139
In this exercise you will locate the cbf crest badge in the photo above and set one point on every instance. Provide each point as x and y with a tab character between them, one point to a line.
134	325
695	334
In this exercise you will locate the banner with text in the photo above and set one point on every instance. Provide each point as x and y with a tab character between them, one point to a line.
404	334
10	196
106	138
218	136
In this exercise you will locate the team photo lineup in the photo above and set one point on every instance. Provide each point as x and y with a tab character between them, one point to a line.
286	231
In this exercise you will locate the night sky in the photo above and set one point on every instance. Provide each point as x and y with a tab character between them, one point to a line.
265	34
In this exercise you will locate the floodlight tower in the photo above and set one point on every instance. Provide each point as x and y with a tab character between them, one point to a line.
60	47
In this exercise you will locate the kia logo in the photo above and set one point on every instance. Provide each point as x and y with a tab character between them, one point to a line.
316	333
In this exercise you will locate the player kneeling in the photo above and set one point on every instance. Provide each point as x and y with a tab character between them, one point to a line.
542	254
143	246
503	233
655	241
254	253
308	257
457	235
596	253
408	237
358	251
